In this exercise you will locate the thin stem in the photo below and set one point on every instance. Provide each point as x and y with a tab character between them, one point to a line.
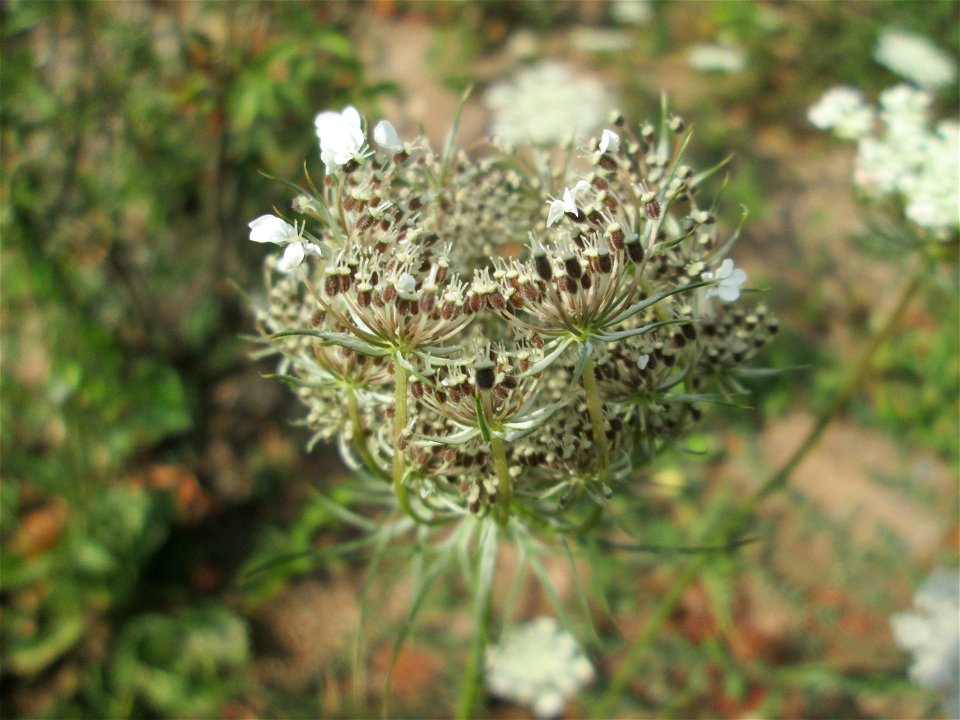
399	424
360	438
732	522
596	418
472	690
473	682
504	483
498	449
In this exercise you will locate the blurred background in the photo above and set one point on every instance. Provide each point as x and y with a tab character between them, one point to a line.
147	466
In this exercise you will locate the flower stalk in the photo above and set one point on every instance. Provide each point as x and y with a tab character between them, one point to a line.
733	522
597	424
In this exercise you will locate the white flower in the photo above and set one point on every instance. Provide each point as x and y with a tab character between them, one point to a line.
843	110
539	666
909	159
546	104
341	137
609	142
406	285
270	228
931	634
385	135
729	280
567	205
716	57
915	58
631	12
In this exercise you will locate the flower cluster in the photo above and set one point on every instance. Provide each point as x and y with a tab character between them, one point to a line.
545	104
915	58
931	633
491	337
899	154
538	665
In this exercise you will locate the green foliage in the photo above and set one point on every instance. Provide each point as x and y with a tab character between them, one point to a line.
132	136
179	666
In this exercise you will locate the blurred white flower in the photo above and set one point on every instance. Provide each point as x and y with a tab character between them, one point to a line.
631	12
545	104
913	161
538	665
843	110
931	634
600	40
385	135
915	58
729	279
717	57
341	137
558	207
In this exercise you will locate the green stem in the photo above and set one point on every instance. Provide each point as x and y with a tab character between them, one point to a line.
504	484
500	464
360	438
399	424
596	418
472	690
732	522
473	682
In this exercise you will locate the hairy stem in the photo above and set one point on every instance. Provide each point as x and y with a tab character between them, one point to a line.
732	522
595	409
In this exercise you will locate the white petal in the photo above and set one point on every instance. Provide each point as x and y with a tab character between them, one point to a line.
556	212
353	126
326	122
609	142
270	228
727	293
292	257
385	135
723	272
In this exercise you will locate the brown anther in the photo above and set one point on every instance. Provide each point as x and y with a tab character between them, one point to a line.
542	265
635	250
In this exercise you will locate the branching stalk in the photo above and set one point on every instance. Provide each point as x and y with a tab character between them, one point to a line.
732	522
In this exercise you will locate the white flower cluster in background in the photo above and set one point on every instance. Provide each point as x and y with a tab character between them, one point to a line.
545	104
931	634
538	665
717	57
631	12
915	58
899	152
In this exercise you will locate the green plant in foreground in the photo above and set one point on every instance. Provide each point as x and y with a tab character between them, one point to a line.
499	343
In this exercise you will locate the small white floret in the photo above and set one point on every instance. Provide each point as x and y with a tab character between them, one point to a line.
386	136
729	279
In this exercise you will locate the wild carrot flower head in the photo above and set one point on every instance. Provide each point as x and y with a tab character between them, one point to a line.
486	336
